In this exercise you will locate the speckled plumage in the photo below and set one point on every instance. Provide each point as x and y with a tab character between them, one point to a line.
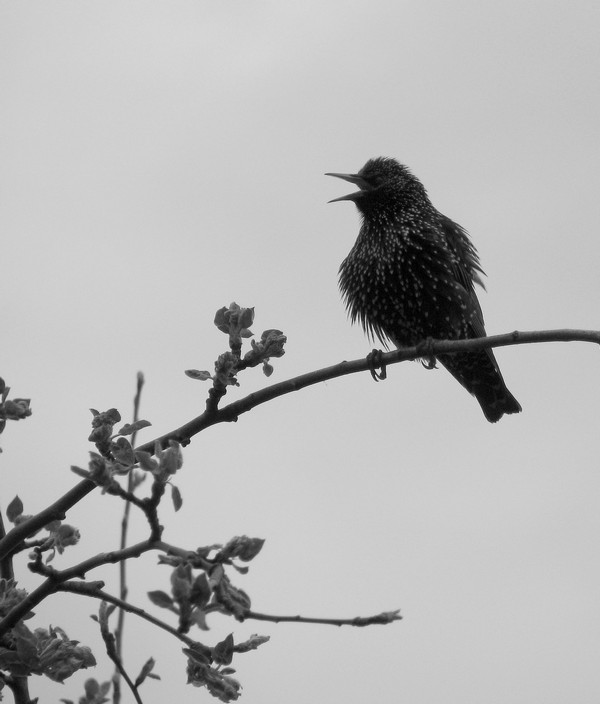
411	275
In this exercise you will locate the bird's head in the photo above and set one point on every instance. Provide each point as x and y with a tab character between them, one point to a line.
382	182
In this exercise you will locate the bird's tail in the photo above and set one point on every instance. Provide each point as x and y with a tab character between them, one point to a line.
478	372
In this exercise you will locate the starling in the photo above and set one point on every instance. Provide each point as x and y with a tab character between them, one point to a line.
411	277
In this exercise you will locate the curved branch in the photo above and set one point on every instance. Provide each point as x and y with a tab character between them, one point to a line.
232	411
54	578
91	590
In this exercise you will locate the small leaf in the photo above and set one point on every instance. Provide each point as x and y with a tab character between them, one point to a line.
147	462
113	415
216	576
223	652
221	320
242	547
246	319
92	688
171	459
130	428
176	497
14	509
181	582
199	618
160	598
196	374
145	671
200	594
138	478
240	568
123	452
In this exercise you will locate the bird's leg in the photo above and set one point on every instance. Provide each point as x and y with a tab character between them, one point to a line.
426	346
375	362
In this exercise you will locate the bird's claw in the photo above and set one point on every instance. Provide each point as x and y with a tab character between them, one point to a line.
428	358
375	362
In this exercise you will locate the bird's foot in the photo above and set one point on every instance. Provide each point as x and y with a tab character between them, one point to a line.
428	358
377	366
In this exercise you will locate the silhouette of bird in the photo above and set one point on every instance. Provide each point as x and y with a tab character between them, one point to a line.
411	277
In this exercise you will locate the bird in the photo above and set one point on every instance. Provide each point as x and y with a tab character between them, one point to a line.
410	278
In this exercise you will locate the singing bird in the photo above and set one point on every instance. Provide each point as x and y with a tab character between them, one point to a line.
411	277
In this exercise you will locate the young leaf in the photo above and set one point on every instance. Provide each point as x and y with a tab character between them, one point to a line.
160	598
171	459
123	452
200	594
145	671
130	428
223	651
197	374
176	497
14	509
147	462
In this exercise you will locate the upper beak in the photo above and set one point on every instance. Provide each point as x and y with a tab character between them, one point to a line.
353	178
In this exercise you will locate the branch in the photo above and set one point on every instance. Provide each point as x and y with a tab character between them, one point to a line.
232	411
92	589
6	565
19	686
55	578
381	619
111	651
55	512
123	589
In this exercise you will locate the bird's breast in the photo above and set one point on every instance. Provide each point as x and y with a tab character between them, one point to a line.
399	286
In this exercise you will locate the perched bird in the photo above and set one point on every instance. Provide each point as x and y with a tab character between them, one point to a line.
411	276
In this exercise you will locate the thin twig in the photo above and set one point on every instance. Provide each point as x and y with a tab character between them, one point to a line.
6	564
381	619
123	590
55	578
90	590
111	651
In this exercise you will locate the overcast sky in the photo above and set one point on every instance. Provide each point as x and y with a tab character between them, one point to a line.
159	160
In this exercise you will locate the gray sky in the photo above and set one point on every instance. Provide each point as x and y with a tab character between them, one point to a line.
159	160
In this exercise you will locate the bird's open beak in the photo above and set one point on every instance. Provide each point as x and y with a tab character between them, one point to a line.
353	178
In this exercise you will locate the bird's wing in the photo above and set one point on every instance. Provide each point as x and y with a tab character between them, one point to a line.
461	246
467	269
